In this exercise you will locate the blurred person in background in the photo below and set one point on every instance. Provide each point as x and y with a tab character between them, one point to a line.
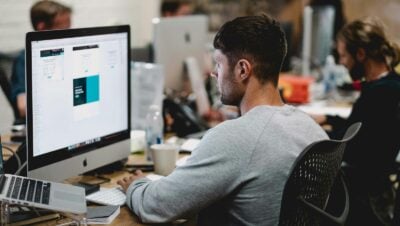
45	15
370	56
171	8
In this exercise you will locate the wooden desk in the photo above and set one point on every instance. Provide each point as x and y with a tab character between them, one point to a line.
5	140
126	217
324	108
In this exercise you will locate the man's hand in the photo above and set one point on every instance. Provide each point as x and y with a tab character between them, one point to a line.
126	181
320	119
21	104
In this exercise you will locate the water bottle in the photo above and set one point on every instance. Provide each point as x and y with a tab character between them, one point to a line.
154	129
329	78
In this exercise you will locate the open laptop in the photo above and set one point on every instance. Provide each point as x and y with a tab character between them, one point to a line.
40	193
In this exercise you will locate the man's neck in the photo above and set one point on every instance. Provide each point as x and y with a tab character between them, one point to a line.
260	94
375	70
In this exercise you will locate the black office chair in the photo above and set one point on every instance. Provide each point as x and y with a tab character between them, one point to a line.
313	174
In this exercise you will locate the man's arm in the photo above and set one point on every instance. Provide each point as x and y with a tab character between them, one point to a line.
21	105
212	172
18	95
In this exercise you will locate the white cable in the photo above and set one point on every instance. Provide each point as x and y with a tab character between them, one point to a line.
20	168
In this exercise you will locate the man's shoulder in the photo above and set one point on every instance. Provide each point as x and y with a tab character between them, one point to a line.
256	119
386	85
21	55
19	59
228	125
394	79
230	130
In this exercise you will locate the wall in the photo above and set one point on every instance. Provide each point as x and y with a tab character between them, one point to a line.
387	10
15	22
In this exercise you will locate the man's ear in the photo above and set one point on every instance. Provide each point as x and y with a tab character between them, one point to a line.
41	26
361	55
244	68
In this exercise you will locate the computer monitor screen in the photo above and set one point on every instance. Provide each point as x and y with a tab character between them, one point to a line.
78	107
175	40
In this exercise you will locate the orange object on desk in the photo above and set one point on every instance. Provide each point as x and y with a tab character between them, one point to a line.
295	88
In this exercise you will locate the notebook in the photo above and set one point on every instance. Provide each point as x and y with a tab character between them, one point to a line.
40	193
102	214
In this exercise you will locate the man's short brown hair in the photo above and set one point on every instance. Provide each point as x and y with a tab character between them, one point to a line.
45	11
259	39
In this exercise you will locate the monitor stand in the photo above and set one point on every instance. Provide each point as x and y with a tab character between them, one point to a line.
197	82
110	168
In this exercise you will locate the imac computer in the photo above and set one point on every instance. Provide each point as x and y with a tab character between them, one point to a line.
175	40
78	100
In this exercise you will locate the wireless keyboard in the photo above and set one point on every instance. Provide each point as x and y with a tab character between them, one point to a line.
114	196
108	196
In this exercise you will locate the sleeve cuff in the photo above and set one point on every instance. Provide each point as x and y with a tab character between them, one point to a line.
129	193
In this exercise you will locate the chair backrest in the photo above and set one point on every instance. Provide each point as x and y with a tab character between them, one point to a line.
311	179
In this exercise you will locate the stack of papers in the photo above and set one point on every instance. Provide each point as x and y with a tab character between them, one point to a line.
190	144
186	145
182	161
101	214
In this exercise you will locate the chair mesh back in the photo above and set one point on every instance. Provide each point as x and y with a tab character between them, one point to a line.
311	178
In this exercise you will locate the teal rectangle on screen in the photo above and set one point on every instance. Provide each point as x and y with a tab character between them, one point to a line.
92	88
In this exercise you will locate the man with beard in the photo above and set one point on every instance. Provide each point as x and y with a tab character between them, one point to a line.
365	50
237	173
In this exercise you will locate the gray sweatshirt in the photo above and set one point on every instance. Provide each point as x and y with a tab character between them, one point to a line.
235	176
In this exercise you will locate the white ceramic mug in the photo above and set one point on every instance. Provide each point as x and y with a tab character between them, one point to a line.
164	158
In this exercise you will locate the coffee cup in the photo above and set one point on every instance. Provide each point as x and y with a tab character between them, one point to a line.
164	158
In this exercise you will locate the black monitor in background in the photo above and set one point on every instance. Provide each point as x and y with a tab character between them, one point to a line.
142	54
78	100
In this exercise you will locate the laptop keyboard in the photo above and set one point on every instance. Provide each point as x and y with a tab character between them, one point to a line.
26	189
3	180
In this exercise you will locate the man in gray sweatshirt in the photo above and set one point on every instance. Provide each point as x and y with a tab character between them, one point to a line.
237	173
